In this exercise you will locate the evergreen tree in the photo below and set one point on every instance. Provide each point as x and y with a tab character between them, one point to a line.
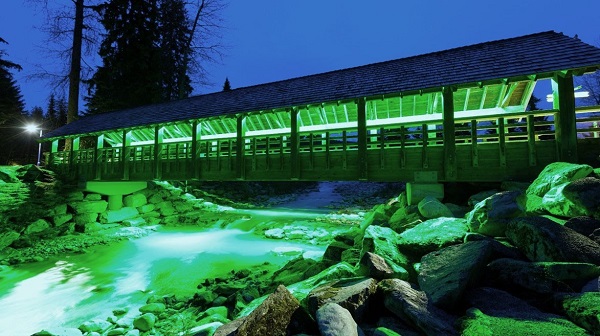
62	112
226	85
36	116
51	113
12	106
131	71
174	33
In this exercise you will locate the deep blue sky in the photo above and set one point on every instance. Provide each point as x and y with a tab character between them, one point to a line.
273	39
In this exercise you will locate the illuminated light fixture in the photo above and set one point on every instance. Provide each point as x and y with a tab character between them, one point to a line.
32	128
578	94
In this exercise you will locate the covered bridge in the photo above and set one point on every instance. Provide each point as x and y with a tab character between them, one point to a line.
453	115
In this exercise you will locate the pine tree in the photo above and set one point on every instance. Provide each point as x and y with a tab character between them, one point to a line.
226	85
131	69
12	106
62	111
174	33
51	113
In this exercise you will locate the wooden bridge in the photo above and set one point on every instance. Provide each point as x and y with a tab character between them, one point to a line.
454	115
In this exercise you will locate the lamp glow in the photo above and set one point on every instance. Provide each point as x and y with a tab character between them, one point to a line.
32	128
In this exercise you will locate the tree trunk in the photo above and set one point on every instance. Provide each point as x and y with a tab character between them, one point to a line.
75	71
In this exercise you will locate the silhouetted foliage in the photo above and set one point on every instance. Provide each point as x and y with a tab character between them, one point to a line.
226	85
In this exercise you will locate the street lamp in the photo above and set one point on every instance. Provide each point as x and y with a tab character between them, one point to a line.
32	128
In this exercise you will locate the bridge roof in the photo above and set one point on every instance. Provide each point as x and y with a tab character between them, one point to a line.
541	54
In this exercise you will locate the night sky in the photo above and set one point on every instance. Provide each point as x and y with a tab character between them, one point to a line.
271	40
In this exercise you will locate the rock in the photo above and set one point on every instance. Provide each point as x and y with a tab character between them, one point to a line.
96	325
277	233
116	332
351	256
353	294
58	331
334	320
287	251
458	211
58	210
83	219
75	196
555	174
396	325
542	277
229	329
116	216
89	207
383	242
498	313
221	311
133	332
446	274
432	235
135	200
59	220
165	208
592	286
377	216
581	308
208	329
7	238
297	270
155	308
37	226
382	331
583	225
146	208
556	203
405	218
490	216
335	272
334	250
480	197
139	221
541	239
374	266
585	194
413	307
431	207
272	317
145	322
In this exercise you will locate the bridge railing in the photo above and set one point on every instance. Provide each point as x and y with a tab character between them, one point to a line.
482	140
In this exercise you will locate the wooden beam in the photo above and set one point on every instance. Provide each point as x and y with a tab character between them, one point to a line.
159	134
294	144
97	163
125	154
531	140
196	136
361	111
73	155
474	148
240	148
502	141
565	120
450	165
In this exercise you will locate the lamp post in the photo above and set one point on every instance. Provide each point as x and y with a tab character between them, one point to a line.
32	128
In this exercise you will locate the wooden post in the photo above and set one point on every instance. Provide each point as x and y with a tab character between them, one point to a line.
196	134
502	141
72	154
450	165
361	111
565	119
424	156
53	151
158	140
402	147
125	154
97	162
240	147
531	140
474	141
294	145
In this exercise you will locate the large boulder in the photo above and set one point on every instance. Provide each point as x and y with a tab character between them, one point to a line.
383	242
135	200
338	271
144	322
89	207
433	234
414	307
431	207
7	238
555	174
96	325
490	216
556	203
541	277
334	250
335	320
272	317
353	294
404	218
495	312
581	308
38	226
444	275
116	216
541	239
585	194
583	225
374	266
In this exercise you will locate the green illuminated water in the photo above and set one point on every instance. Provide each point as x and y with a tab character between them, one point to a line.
72	289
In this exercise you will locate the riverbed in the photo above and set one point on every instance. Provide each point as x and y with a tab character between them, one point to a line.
68	290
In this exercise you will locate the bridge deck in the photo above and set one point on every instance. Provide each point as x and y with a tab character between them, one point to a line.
515	146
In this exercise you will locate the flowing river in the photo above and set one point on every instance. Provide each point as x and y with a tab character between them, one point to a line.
71	289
